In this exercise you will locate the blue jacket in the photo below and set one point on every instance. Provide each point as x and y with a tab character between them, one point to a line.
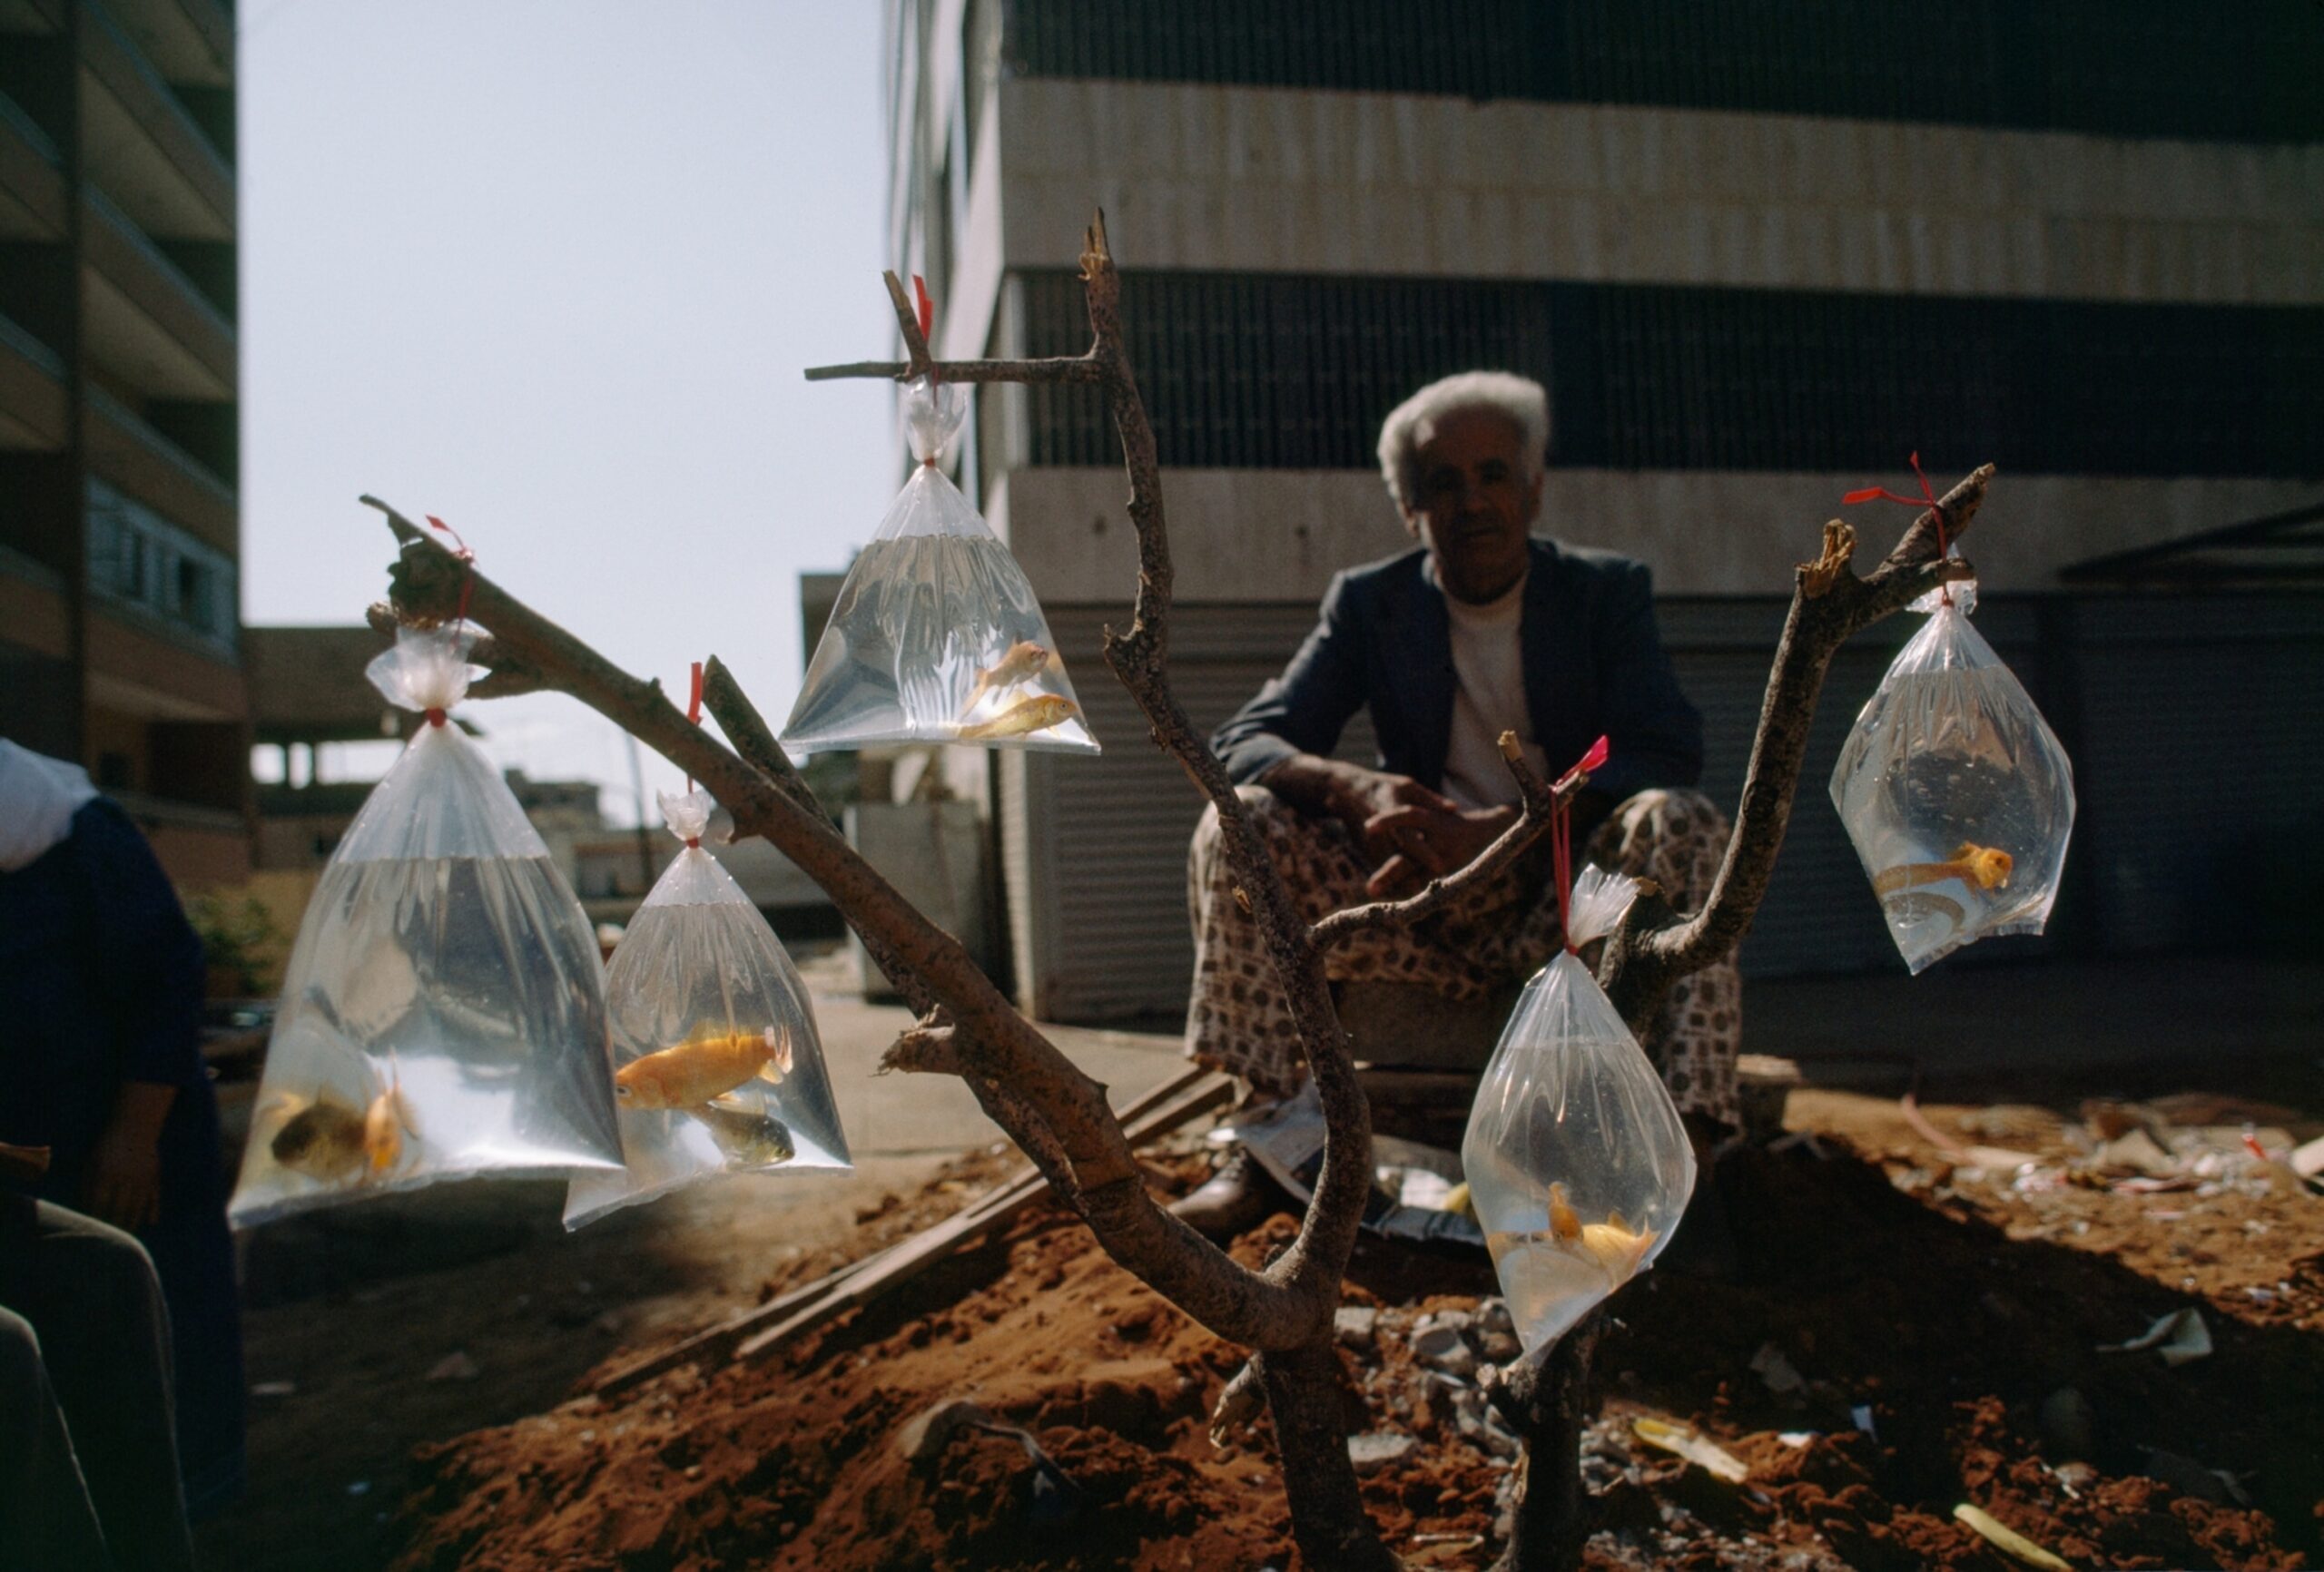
1594	665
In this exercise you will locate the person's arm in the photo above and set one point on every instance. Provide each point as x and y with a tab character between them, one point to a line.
148	970
1656	735
1304	711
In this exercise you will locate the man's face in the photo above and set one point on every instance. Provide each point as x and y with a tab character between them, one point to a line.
1476	504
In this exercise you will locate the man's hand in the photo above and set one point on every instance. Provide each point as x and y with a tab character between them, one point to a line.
1409	833
124	1184
1420	841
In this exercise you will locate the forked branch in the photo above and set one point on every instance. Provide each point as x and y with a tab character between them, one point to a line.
1831	604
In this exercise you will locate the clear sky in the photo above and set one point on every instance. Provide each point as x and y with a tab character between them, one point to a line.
550	270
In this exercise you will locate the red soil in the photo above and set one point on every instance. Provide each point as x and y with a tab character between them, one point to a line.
1953	1313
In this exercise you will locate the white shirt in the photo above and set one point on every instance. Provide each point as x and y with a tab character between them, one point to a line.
1488	697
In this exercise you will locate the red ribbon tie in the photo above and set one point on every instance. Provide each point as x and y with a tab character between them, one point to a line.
1927	499
1561	836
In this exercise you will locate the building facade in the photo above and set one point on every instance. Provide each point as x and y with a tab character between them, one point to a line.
120	530
1757	252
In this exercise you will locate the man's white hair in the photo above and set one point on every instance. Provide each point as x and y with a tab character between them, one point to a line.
1519	401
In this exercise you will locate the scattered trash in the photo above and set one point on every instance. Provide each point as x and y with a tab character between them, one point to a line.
2307	1161
1355	1325
1776	1370
456	1366
2009	1539
1376	1450
1862	1414
1462	1541
1714	1459
1797	1438
2190	1477
2178	1337
1053	1498
1238	1404
929	1431
2072	1477
2138	1152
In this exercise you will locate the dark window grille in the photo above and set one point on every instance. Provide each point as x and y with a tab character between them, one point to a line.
2245	70
1295	372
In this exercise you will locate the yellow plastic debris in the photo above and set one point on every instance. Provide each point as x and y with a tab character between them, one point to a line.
1697	1450
2010	1540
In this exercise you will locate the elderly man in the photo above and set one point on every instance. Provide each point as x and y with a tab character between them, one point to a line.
1481	629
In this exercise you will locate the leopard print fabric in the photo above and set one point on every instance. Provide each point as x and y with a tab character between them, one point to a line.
1238	1020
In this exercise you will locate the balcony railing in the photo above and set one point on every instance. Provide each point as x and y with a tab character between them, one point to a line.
129	421
12	116
106	209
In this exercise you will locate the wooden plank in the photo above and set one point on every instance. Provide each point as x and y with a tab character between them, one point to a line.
917	1254
1011	1196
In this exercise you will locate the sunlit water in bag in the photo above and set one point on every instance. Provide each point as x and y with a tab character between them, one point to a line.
919	619
1955	758
684	971
471	985
1548	1287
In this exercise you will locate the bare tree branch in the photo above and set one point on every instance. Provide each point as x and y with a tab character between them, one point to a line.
1538	799
1063	369
1058	1114
1829	605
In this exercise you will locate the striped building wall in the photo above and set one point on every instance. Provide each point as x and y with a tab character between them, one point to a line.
1755	267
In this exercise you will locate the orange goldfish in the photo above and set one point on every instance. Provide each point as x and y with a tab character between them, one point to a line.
1565	1223
326	1140
1025	660
1611	1245
705	1066
1978	866
386	1120
1026	716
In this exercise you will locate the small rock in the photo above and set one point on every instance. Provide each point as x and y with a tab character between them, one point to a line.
2187	1477
456	1366
1492	1316
1376	1450
1776	1370
1456	1321
2068	1422
1443	1347
1357	1325
1500	1347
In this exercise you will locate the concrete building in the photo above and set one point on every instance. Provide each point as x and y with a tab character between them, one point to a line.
119	533
1758	253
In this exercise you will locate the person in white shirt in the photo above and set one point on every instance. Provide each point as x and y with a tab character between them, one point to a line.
1482	627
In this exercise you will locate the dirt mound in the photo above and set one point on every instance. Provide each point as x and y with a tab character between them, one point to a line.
1932	1343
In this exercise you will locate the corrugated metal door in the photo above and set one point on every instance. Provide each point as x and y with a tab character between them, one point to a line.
1095	850
2202	750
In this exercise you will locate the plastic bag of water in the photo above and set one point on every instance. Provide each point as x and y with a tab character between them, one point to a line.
1956	793
1577	1165
935	636
443	1012
717	1067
